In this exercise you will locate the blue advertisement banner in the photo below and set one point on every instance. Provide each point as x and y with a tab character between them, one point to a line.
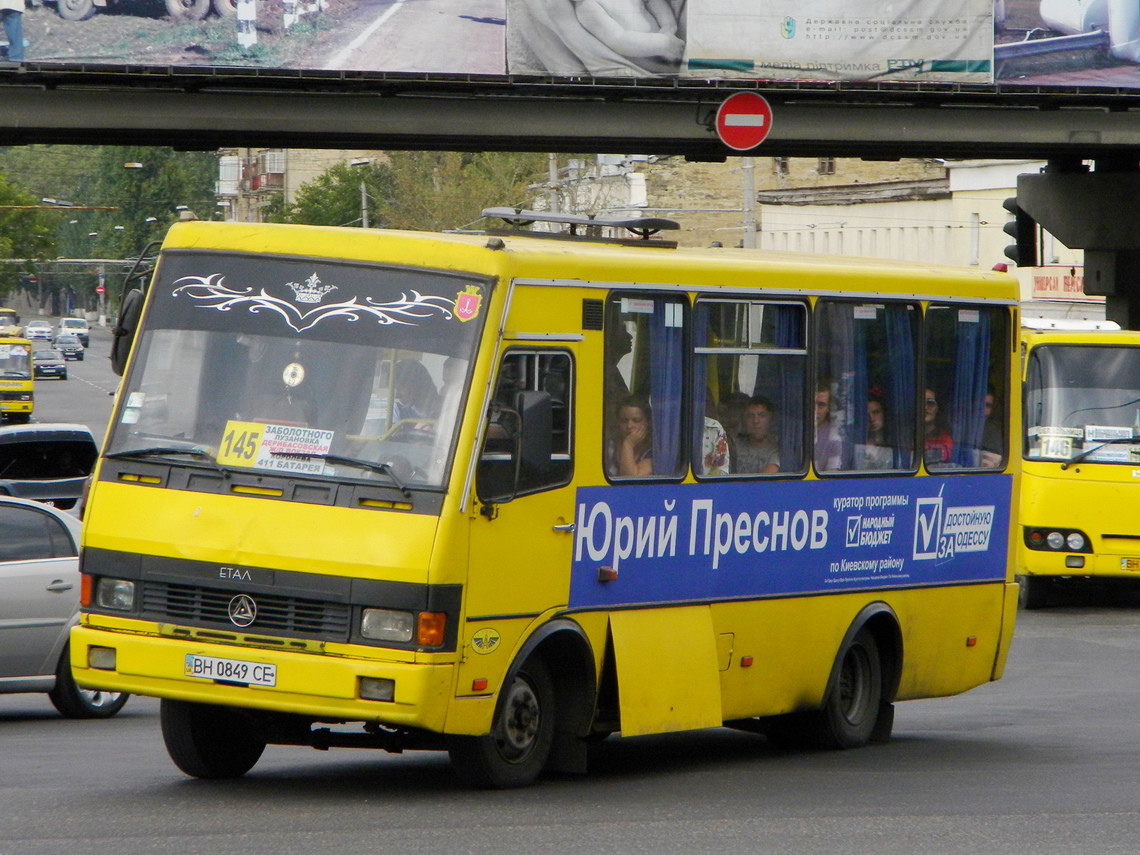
683	542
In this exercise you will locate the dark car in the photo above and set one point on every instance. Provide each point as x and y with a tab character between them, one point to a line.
69	345
46	462
39	604
49	363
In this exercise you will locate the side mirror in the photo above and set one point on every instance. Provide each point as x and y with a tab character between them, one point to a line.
124	329
536	431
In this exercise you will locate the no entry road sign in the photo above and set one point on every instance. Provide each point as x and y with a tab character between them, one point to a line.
743	120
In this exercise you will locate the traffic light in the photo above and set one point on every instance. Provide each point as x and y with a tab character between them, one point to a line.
1023	229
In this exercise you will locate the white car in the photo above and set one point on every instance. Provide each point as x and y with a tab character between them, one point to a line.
77	327
39	603
39	330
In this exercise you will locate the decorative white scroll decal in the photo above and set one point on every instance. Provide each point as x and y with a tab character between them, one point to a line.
215	294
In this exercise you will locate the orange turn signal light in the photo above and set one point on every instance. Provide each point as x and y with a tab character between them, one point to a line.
430	629
86	584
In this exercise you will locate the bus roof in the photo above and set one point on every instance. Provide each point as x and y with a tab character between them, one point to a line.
645	264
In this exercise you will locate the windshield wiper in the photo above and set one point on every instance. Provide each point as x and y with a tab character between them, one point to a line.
161	450
371	465
1114	441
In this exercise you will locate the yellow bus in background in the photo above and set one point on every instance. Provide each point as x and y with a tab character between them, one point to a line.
10	323
17	395
1080	513
506	494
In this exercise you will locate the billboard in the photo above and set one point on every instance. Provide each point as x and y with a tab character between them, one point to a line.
1056	43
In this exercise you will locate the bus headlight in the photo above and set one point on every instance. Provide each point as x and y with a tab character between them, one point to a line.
1075	541
115	594
387	625
1055	539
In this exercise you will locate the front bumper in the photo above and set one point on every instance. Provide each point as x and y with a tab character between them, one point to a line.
322	686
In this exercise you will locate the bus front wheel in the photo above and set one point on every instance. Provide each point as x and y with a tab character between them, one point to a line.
514	753
207	741
1033	591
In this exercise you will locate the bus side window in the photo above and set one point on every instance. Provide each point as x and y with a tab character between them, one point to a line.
545	376
643	386
865	386
967	351
749	385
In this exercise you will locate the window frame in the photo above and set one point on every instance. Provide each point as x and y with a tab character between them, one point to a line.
677	297
698	351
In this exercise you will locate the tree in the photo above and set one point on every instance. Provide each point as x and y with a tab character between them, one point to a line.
25	232
431	191
435	190
333	198
148	187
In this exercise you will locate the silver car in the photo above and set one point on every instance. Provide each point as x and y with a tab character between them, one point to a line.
39	603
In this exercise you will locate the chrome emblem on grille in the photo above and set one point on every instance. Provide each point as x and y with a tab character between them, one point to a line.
243	610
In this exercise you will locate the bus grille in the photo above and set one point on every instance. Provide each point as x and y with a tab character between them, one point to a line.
189	604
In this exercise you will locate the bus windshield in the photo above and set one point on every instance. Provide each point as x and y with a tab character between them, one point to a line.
301	367
1083	401
15	360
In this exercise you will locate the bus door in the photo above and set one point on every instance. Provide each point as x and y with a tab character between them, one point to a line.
522	526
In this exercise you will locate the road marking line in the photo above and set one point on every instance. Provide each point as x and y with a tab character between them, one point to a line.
341	57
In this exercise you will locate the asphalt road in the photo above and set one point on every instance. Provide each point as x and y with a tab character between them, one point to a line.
86	396
1044	761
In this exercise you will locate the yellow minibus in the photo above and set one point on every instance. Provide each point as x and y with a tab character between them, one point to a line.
17	379
505	494
1082	459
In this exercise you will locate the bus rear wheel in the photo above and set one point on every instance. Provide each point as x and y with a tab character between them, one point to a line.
515	752
851	711
207	741
853	704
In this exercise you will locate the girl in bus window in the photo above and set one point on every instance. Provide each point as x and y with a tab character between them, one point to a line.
633	456
937	443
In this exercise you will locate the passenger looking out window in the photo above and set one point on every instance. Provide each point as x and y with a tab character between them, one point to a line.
876	453
643	385
828	447
633	456
757	448
938	446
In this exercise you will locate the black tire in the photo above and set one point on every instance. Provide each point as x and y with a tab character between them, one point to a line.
188	10
1033	592
75	10
63	376
207	741
851	711
225	8
515	752
852	706
74	702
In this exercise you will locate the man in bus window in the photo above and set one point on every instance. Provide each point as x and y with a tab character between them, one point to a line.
993	447
757	449
828	447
